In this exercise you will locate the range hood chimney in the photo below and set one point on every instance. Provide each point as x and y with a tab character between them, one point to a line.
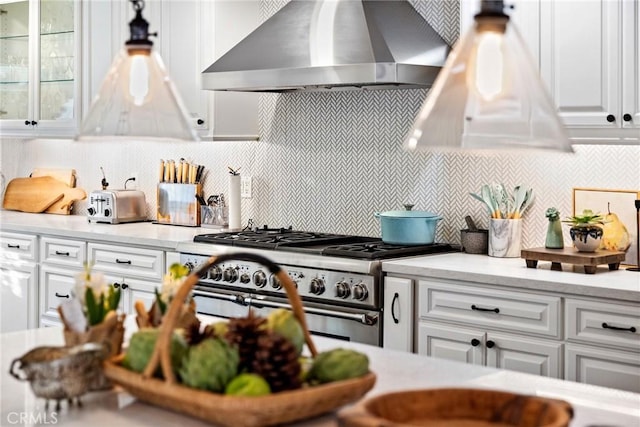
333	45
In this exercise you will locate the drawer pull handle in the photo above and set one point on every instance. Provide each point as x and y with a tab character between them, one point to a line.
393	306
476	308
490	344
616	328
62	253
475	342
62	296
123	261
9	245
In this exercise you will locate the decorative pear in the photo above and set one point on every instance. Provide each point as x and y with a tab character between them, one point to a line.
615	235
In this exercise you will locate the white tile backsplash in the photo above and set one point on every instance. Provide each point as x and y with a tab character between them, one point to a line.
328	161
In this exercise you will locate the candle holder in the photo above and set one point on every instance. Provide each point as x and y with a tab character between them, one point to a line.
637	267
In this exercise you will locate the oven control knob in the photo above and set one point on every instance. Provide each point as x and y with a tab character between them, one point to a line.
342	290
190	266
260	279
215	273
316	286
230	274
360	292
91	211
275	282
245	278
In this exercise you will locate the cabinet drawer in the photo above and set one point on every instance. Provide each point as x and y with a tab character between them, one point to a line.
493	308
127	261
68	253
18	246
56	285
603	367
604	324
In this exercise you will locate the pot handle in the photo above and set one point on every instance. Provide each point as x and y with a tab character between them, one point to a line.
434	218
376	214
14	374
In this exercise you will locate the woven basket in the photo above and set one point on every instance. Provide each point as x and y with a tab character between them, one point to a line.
233	411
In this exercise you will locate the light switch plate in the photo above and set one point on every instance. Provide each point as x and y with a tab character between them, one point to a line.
245	187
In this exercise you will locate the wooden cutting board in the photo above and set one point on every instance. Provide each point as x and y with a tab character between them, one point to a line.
68	176
64	205
32	194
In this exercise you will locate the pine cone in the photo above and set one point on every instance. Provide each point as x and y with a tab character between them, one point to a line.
276	360
243	334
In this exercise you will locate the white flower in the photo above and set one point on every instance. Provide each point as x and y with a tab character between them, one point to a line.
170	286
95	281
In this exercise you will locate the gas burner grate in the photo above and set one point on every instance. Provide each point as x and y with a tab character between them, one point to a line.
381	250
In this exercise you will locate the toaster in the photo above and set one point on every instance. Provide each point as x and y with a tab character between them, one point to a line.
117	206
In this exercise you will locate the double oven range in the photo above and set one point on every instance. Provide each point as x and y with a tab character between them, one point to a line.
338	277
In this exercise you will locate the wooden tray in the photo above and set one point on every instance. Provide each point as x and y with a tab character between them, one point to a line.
233	411
589	260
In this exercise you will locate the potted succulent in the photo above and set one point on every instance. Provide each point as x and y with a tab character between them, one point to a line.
586	230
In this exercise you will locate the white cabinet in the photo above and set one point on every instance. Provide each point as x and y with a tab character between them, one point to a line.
398	314
590	65
18	282
465	323
40	68
137	271
607	343
61	261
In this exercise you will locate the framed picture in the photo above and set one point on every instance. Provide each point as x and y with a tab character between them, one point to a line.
620	202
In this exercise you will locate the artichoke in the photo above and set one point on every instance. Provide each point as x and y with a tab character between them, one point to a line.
338	364
141	348
210	365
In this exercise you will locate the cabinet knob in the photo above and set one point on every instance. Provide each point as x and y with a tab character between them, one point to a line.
124	286
200	121
611	118
626	117
27	122
490	344
475	342
34	123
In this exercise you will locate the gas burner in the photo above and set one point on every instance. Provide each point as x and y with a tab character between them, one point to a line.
266	230
381	250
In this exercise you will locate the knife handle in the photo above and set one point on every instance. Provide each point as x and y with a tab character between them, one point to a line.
161	171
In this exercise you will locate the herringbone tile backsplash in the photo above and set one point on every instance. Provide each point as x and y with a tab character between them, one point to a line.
327	161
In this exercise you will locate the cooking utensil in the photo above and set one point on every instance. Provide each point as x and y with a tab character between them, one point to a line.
408	227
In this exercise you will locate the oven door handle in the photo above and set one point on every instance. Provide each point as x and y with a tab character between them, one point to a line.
364	318
238	299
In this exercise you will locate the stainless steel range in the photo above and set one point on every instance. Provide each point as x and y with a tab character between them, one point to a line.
338	277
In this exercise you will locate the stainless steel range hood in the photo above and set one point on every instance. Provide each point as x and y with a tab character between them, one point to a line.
333	45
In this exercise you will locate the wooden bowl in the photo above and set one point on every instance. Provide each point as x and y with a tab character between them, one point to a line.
457	407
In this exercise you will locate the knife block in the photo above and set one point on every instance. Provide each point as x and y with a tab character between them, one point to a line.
177	204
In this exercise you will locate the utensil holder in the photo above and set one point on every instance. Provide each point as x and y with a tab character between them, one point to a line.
505	238
214	216
177	204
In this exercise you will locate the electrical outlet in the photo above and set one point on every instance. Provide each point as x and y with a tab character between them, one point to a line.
245	187
132	182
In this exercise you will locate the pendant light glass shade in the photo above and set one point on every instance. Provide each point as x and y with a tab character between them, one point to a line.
489	95
137	99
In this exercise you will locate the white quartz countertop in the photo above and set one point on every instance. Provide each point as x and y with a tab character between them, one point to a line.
395	371
513	272
77	227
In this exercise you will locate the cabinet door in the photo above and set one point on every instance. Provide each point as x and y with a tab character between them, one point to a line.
41	51
398	314
132	291
603	367
631	63
18	296
528	355
55	286
452	343
580	60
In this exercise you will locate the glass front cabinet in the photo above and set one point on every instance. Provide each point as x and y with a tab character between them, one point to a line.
39	67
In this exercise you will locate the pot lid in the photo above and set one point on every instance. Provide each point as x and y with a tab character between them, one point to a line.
408	214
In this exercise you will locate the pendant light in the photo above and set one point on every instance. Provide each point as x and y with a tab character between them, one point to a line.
489	95
137	99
